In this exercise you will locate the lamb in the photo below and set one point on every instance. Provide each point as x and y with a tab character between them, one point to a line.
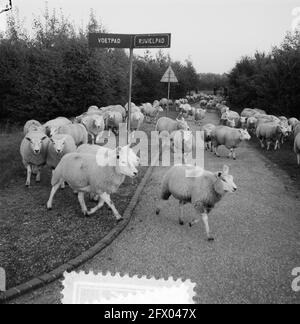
297	148
59	146
95	126
116	108
33	150
101	176
230	137
169	125
151	111
270	132
77	131
203	189
164	102
208	129
33	125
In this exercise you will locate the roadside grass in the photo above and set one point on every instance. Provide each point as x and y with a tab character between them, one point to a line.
34	241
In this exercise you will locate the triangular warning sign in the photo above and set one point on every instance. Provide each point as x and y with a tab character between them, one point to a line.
169	76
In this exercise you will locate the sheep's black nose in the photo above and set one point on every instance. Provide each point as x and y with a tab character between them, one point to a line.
234	189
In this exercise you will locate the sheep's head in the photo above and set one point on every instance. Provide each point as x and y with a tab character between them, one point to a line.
123	158
98	121
58	144
36	140
225	182
244	135
182	124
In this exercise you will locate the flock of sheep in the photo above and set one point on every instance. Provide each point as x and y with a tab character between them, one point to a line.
62	145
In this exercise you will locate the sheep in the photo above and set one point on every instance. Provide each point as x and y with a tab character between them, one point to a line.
203	189
113	119
102	176
208	129
297	148
52	125
77	131
164	102
251	124
169	125
59	146
292	122
229	137
95	126
33	125
137	119
33	150
270	132
116	108
151	111
296	129
93	110
200	114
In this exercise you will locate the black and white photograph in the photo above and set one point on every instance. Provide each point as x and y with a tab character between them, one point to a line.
150	154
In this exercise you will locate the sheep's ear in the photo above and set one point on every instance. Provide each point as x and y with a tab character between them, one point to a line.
219	174
45	137
226	169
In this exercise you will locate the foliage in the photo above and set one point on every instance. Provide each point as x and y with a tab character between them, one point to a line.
269	81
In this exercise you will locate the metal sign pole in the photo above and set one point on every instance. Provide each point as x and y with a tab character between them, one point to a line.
129	94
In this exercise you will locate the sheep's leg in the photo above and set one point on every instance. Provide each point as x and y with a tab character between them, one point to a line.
29	172
38	176
262	144
277	145
63	185
82	203
298	159
53	192
216	151
107	199
205	221
268	145
234	154
181	217
230	154
99	206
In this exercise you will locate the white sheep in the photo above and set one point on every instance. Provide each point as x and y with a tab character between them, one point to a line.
87	173
199	114
59	146
297	147
230	138
208	130
33	150
113	119
77	131
52	125
169	125
95	126
137	119
203	189
33	125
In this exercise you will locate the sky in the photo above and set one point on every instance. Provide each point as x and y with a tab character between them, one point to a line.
213	34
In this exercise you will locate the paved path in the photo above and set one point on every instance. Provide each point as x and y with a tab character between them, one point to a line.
257	232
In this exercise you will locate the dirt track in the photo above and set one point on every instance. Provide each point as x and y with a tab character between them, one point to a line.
257	232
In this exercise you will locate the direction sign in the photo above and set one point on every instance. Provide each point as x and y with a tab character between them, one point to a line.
152	41
169	76
99	40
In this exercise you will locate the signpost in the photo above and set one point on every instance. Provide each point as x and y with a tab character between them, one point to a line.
169	77
138	41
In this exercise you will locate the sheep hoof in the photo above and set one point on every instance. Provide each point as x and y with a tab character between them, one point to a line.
157	211
210	239
181	222
190	224
120	220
